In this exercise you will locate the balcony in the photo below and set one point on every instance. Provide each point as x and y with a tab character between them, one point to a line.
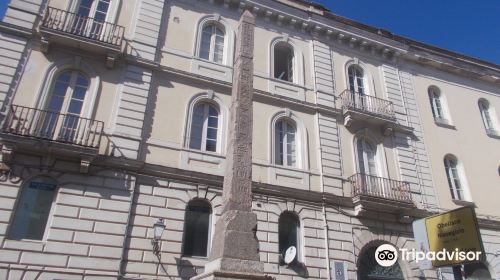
70	29
377	193
360	107
30	129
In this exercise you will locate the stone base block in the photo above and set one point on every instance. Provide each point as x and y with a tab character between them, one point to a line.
222	269
235	237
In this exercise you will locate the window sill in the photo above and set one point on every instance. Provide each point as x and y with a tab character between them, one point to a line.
200	152
206	162
444	123
289	177
24	244
194	258
287	89
291	168
211	62
463	202
294	84
212	70
26	240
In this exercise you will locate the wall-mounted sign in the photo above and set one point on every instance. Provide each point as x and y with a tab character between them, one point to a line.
454	237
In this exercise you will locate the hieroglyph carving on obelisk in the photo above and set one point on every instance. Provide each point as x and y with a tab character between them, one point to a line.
235	248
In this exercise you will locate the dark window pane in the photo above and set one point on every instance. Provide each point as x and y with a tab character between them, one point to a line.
75	107
33	210
211	146
60	88
196	128
288	232
82	81
55	104
211	134
196	229
283	60
213	122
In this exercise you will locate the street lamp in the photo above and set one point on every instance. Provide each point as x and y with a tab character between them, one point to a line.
158	229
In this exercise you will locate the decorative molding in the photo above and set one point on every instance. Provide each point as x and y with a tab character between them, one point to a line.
44	45
85	163
373	41
7	151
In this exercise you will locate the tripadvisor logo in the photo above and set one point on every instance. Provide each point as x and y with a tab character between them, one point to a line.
387	255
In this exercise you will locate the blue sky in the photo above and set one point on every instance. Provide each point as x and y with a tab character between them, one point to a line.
464	26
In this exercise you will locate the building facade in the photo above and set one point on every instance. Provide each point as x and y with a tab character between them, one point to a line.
114	115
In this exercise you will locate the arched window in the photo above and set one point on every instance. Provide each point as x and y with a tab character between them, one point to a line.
285	143
356	80
289	233
284	62
197	228
212	43
33	209
204	127
454	179
486	115
436	103
367	160
66	97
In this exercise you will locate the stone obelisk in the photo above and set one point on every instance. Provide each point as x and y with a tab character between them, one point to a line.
235	248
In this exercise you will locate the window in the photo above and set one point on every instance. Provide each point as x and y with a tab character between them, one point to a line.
454	182
283	62
367	163
436	104
204	127
91	16
356	79
212	43
289	233
196	228
96	9
285	143
33	209
64	106
484	108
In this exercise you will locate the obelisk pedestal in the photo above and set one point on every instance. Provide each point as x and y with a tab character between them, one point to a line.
235	248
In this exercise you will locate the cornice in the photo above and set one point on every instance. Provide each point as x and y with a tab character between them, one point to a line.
259	95
330	28
16	30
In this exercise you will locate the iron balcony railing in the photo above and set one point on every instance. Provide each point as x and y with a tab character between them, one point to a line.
363	184
54	126
366	103
89	28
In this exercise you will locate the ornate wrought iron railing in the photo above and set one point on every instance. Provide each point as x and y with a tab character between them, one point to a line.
363	184
89	28
355	100
54	126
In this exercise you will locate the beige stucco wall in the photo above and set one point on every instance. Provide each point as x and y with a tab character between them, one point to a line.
31	87
169	129
478	153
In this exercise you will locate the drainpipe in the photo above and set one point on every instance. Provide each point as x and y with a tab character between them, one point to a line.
121	269
327	246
